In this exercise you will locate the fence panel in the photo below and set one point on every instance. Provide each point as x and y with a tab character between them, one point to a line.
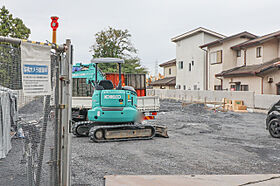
26	134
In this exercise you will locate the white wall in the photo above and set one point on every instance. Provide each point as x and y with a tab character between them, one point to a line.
265	101
250	99
188	50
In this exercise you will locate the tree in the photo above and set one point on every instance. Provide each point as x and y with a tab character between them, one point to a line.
116	43
12	27
10	74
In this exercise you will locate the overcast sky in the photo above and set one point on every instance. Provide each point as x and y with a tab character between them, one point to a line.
152	23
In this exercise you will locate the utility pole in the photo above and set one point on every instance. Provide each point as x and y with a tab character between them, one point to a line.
156	70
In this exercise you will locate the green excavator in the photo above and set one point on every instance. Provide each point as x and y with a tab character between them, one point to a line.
113	115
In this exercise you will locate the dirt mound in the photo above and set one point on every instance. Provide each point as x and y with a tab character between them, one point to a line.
35	106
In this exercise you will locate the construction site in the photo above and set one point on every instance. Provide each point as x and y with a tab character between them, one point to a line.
107	122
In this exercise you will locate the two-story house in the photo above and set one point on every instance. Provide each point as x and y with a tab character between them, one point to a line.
169	72
191	60
253	65
221	57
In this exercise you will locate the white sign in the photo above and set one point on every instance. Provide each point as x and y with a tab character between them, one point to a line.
112	96
36	69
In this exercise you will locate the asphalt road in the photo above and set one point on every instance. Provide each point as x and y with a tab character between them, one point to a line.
201	142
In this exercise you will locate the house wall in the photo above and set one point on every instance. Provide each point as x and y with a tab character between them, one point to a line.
187	50
173	71
251	56
271	88
214	69
253	82
270	50
279	48
229	60
240	60
229	55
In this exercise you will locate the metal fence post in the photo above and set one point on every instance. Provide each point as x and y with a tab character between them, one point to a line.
66	109
51	164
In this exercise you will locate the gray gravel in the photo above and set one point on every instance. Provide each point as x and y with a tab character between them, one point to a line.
12	170
201	142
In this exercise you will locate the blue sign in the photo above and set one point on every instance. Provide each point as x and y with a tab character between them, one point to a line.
35	69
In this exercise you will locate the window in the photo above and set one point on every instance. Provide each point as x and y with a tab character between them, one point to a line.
190	67
195	87
192	63
184	87
181	65
179	86
238	53
244	88
217	87
258	51
169	71
216	57
219	56
232	87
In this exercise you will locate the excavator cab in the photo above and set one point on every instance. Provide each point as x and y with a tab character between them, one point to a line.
109	104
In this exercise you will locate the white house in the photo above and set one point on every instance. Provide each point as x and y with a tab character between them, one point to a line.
191	60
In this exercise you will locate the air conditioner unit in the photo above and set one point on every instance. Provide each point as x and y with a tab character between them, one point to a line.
269	79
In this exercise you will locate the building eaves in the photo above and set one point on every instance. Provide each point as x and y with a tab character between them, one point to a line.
195	31
168	63
251	70
257	41
244	34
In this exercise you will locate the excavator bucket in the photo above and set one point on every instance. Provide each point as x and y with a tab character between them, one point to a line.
161	131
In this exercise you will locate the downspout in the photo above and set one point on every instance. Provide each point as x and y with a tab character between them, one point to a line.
245	61
206	70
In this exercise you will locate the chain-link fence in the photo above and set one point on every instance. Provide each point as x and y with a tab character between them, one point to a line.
10	72
26	127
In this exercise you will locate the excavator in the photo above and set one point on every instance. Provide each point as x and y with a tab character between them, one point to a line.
113	115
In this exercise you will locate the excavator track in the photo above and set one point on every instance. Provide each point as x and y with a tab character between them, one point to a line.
82	128
112	133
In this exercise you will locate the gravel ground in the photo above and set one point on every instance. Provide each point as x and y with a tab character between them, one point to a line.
12	171
201	142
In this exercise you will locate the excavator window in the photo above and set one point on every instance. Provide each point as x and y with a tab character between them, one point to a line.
106	84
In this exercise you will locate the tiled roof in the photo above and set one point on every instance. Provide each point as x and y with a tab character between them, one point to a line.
250	70
257	40
242	35
168	63
165	81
